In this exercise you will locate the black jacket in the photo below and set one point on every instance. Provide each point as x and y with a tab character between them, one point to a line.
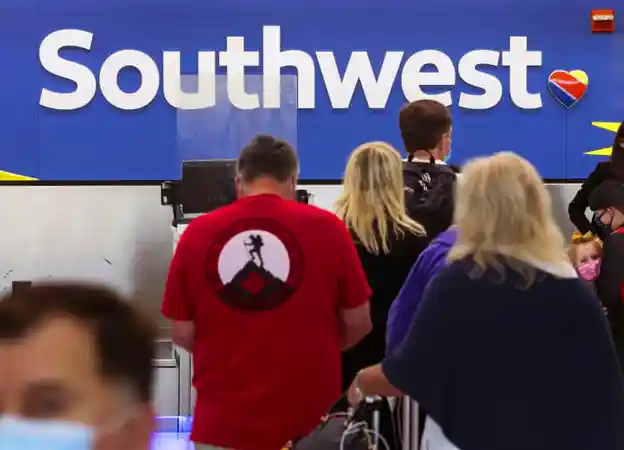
578	206
611	280
514	374
386	274
609	287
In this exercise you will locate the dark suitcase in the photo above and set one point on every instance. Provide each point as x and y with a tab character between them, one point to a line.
341	431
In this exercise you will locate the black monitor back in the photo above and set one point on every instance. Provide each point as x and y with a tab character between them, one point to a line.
207	185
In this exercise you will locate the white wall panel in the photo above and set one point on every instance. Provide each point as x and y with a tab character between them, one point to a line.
117	235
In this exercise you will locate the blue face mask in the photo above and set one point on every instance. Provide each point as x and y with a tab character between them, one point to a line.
448	155
24	434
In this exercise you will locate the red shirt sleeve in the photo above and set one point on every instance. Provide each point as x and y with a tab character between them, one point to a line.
354	288
177	303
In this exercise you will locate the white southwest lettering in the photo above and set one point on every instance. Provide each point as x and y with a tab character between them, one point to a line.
376	84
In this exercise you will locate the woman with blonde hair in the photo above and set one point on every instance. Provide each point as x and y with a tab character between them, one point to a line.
509	349
372	205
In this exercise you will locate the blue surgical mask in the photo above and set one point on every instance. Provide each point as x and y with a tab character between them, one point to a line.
25	434
448	155
605	229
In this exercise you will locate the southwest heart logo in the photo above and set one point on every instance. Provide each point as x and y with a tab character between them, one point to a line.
568	87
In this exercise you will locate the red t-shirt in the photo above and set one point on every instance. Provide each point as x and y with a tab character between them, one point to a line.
262	280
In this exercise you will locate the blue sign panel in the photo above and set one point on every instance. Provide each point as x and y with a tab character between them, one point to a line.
126	90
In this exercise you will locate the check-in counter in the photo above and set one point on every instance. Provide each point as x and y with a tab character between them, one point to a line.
166	366
185	359
187	392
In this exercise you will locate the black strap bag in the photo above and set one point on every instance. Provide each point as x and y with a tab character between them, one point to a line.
343	431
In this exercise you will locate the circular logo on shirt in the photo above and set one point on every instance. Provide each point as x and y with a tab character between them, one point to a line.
255	265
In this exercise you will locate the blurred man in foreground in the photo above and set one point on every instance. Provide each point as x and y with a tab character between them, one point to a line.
75	371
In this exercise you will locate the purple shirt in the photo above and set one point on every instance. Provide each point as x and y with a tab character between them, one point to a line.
430	262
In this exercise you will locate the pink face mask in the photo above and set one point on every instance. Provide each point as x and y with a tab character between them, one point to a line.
589	270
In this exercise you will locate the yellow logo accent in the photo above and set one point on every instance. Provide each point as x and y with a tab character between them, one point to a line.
8	176
581	76
609	126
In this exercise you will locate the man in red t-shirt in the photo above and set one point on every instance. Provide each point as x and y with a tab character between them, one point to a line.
265	293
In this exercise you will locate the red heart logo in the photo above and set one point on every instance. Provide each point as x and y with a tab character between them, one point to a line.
568	87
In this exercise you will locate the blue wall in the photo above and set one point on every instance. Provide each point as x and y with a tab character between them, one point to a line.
99	142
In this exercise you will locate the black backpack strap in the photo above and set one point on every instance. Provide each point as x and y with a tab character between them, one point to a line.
416	169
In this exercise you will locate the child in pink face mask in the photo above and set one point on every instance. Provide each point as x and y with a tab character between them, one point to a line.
586	255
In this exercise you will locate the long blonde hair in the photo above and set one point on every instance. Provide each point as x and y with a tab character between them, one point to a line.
503	210
372	198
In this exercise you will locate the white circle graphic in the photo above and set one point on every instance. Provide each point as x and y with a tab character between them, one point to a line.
236	253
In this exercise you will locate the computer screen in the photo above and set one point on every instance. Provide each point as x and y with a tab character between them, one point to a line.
207	185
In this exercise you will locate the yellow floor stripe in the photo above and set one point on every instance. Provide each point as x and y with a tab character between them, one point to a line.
8	176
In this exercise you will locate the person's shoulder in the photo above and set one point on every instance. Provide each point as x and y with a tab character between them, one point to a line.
459	269
311	211
318	219
446	238
199	230
614	240
429	167
449	287
224	213
464	276
207	223
203	221
455	168
569	293
408	242
415	237
453	277
438	247
602	171
568	283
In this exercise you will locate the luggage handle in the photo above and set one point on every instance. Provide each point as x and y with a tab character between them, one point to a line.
370	401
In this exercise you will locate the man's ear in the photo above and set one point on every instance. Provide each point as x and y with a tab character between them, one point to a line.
239	187
292	188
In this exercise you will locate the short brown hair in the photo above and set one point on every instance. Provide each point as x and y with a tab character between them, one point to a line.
423	123
125	340
266	156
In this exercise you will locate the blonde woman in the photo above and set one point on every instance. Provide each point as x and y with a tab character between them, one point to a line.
372	205
508	349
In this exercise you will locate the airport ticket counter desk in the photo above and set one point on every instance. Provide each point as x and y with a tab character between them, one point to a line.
186	395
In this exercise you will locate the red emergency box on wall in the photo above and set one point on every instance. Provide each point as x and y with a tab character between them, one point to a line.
602	21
